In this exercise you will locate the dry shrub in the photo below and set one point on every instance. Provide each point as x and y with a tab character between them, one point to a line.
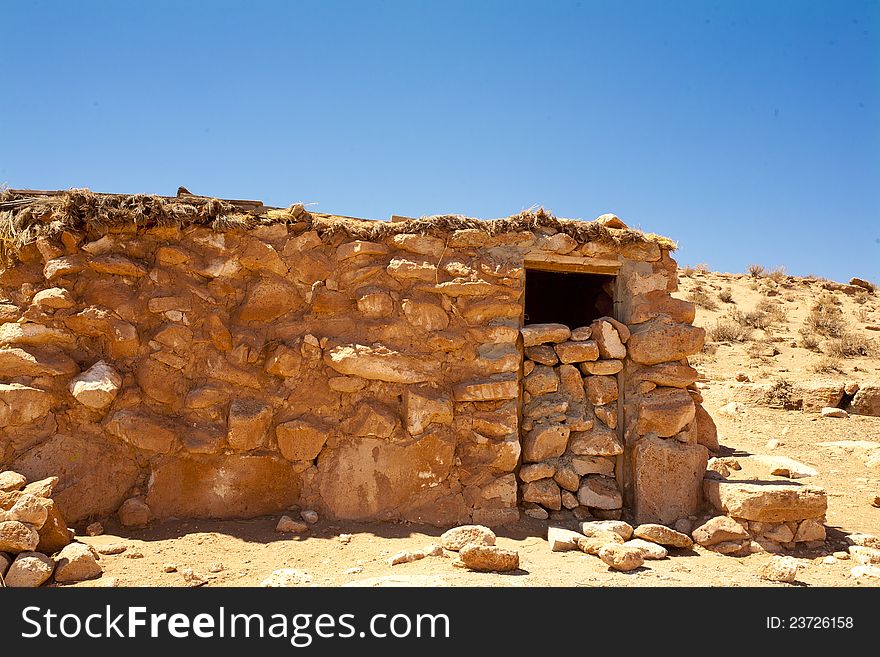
757	271
825	318
782	394
703	268
688	271
827	365
773	309
752	318
850	345
726	296
810	341
777	275
702	298
862	315
761	349
726	330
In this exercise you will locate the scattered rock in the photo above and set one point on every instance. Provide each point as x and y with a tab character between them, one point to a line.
864	555
782	466
287	525
75	563
484	557
562	540
134	512
169	568
309	516
345	539
95	529
733	409
766	502
192	578
97	387
10	481
592	544
621	557
535	334
663	536
829	411
457	537
29	570
17	537
719	529
779	569
598	527
865	540
537	512
648	549
113	548
866	572
216	568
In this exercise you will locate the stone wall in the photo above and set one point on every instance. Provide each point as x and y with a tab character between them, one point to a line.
231	373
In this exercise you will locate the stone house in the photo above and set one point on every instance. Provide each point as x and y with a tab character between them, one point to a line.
224	359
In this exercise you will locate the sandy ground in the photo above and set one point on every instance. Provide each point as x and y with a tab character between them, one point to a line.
243	553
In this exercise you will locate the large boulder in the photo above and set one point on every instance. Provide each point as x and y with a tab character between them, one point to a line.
21	404
667	479
456	538
488	558
665	411
75	563
17	537
29	570
766	502
866	401
234	486
661	340
93	475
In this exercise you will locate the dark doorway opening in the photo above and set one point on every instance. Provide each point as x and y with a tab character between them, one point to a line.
572	299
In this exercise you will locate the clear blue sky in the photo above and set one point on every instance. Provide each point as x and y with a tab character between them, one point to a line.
748	131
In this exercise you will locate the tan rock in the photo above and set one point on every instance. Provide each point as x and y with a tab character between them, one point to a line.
10	481
426	316
783	466
456	538
866	401
33	361
76	563
35	335
544	441
54	298
621	557
29	570
600	527
607	339
828	411
542	354
28	509
865	540
301	439
534	471
719	529
17	537
378	363
659	304
567	478
494	387
97	387
403	269
665	412
562	540
286	578
267	300
248	421
420	244
663	535
359	247
544	492
581	333
779	569
811	529
816	395
541	381
43	487
766	502
595	542
661	340
119	265
864	555
223	486
422	406
667	479
598	441
600	493
607	414
648	549
21	404
54	533
134	512
144	431
375	303
488	558
704	429
602	367
585	465
577	352
287	525
63	266
535	334
601	389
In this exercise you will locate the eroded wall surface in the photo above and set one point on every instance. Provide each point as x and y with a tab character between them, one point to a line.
239	373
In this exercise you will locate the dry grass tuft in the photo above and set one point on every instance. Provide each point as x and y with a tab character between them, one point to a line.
726	330
782	394
827	365
726	296
825	318
702	298
757	271
850	345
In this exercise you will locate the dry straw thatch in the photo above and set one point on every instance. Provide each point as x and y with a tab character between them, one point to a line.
24	217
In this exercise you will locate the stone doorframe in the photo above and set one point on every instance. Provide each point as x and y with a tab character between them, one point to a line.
543	261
